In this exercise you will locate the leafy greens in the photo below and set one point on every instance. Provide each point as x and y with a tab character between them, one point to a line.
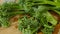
38	10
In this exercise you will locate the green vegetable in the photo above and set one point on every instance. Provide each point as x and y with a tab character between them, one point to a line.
28	25
43	18
38	10
8	10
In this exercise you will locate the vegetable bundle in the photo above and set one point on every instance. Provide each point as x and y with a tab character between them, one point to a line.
38	11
